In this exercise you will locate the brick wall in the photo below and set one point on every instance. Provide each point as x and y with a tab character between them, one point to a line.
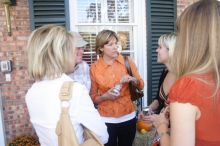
182	4
16	120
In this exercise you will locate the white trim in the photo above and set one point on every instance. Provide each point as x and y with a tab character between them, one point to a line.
73	14
105	24
141	45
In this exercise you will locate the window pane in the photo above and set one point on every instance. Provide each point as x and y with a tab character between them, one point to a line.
111	11
88	11
105	11
124	11
89	53
126	43
89	34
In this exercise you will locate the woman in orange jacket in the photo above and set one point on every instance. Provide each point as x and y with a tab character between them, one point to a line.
110	90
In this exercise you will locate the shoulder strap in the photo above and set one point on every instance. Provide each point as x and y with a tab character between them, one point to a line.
65	91
64	129
127	65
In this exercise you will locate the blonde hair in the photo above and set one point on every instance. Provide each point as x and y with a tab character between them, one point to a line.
50	52
168	41
103	38
197	49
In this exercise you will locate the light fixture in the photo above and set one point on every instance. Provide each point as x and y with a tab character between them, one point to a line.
7	4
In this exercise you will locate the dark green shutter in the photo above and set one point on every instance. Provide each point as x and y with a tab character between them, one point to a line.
161	17
49	12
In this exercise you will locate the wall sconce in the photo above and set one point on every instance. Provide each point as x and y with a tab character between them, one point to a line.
6	4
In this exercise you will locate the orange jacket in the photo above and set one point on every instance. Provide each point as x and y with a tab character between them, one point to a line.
104	77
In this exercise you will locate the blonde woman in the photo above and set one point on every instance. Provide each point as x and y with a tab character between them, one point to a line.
110	90
166	44
195	96
50	58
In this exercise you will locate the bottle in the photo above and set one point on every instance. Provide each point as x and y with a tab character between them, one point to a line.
117	88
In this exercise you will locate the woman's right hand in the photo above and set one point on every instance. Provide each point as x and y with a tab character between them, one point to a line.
110	94
160	119
145	118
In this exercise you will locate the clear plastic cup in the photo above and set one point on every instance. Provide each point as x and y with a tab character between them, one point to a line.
147	111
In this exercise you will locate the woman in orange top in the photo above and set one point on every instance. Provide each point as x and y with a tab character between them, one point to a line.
110	90
195	96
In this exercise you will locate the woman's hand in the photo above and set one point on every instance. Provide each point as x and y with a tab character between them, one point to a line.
147	119
144	115
140	116
160	121
127	79
110	94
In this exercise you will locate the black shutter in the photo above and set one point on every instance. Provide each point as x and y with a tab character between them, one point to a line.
49	12
161	18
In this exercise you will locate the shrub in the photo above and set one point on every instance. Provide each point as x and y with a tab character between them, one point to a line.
24	140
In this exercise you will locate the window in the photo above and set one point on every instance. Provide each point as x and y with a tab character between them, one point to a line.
125	17
92	16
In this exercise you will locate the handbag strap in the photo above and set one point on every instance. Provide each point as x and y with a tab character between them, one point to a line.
65	91
65	95
127	65
64	122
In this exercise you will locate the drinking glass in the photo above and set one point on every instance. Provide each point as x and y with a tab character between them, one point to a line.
147	111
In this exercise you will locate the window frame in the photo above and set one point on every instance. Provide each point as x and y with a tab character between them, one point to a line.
139	31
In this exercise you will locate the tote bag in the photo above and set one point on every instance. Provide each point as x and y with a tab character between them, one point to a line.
64	130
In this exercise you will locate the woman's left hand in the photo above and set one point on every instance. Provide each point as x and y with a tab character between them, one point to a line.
162	118
127	79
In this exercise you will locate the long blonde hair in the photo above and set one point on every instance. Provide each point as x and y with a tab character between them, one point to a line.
197	50
50	52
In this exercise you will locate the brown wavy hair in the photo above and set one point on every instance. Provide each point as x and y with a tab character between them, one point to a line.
103	38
